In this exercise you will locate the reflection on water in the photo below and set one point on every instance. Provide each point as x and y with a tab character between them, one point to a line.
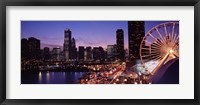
51	77
39	77
47	77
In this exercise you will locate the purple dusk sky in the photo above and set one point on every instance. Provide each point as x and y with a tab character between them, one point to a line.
86	33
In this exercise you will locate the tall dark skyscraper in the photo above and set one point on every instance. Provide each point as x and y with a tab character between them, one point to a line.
46	53
67	44
120	44
111	52
98	53
88	53
101	54
24	49
81	50
95	53
135	35
73	49
34	48
56	54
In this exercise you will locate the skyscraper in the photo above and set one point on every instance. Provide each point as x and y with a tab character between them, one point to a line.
46	53
67	44
56	54
95	53
24	49
98	53
73	49
120	44
111	52
101	54
34	48
81	50
88	53
135	36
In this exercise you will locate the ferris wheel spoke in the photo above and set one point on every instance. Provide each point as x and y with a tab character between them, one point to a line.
158	58
155	50
173	29
169	29
159	34
145	56
147	41
146	48
175	37
176	41
147	52
150	53
154	54
175	46
176	33
165	29
169	36
155	47
157	43
152	36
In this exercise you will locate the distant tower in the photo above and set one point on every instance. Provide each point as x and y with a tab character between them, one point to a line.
73	49
46	53
135	36
111	52
81	51
95	53
88	53
98	53
56	54
101	54
67	44
73	43
120	44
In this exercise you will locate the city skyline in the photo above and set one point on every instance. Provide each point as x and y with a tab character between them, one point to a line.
86	33
101	56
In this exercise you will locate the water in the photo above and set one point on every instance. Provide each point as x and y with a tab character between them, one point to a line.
51	77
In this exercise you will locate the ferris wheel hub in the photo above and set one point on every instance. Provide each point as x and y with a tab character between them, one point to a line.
171	51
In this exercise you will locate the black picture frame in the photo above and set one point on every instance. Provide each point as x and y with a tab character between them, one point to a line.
5	3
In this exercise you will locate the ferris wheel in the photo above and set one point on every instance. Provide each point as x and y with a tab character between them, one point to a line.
160	44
